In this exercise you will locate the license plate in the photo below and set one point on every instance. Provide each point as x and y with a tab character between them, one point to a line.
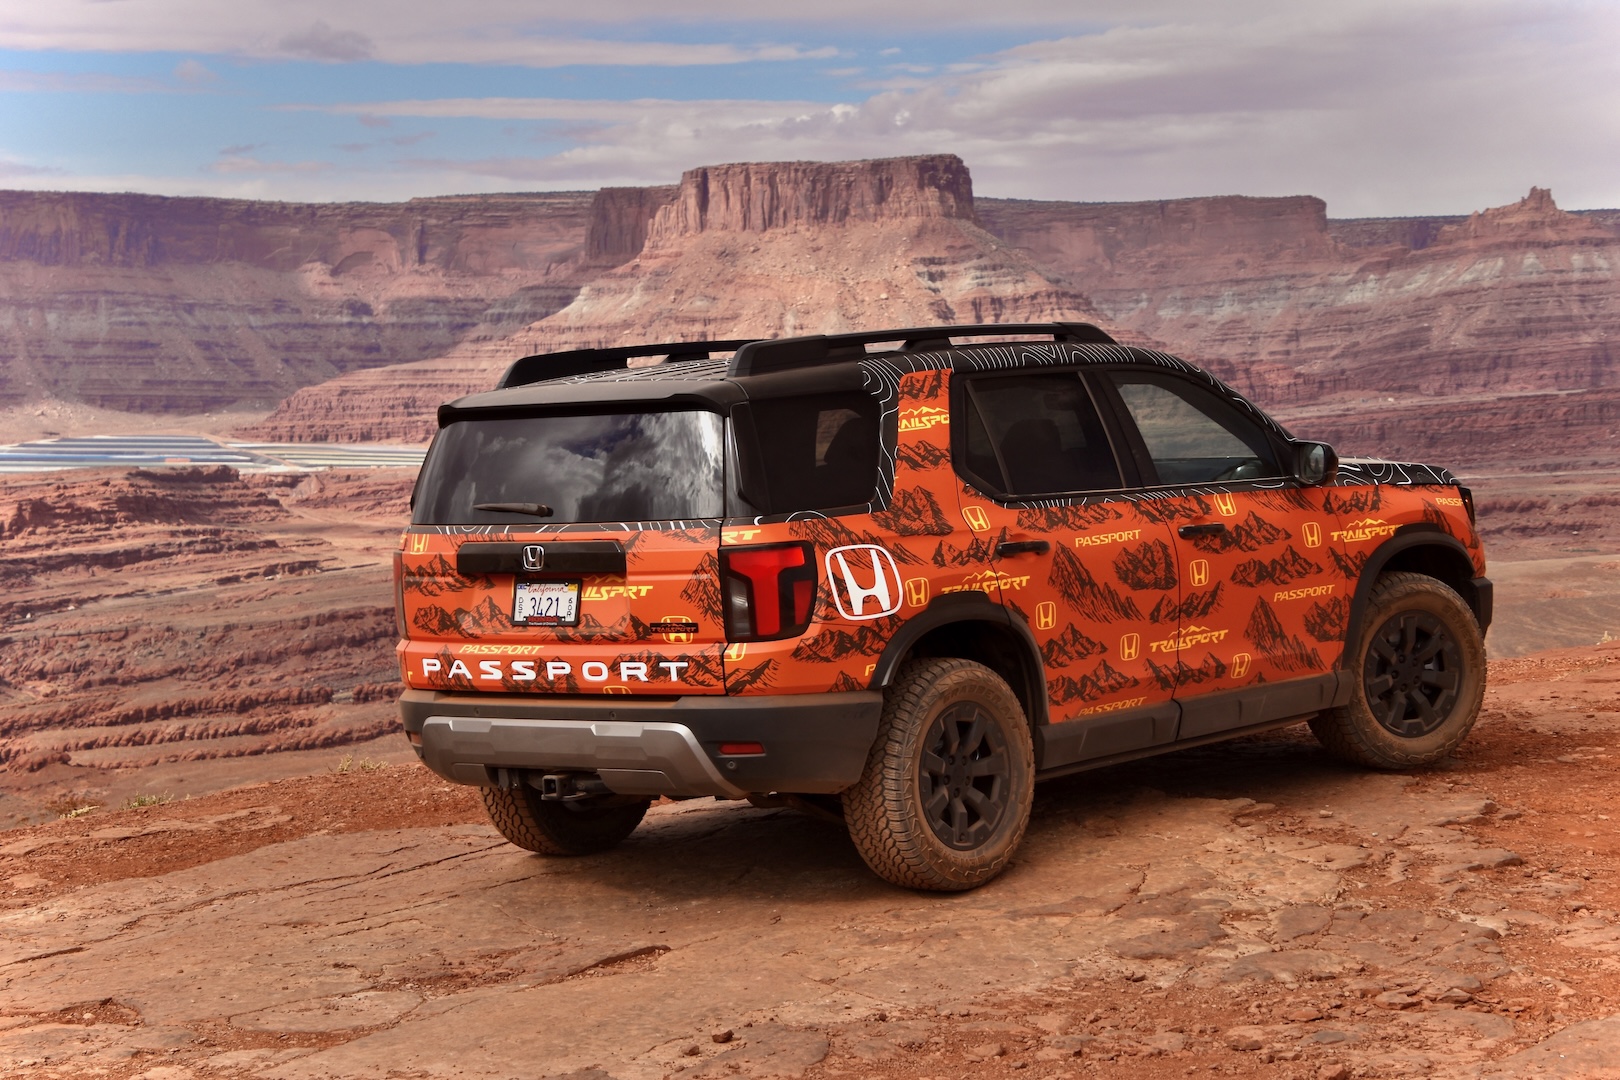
546	603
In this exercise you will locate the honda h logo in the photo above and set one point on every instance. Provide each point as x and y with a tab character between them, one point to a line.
1198	572
1130	646
917	591
1226	504
1045	615
864	580
1240	665
1313	534
534	556
977	519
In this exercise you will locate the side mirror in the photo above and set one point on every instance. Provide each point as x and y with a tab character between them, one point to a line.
1315	463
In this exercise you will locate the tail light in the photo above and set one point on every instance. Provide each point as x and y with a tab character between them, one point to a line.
1468	501
769	591
399	595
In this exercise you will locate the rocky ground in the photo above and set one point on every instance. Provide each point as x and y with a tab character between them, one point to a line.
1252	909
180	630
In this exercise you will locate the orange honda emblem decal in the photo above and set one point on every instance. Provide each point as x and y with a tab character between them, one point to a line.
916	591
615	689
1045	615
1240	665
1130	646
1198	572
734	651
1226	504
419	543
678	637
977	519
1313	534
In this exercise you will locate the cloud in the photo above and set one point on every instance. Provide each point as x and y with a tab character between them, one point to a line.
88	82
604	109
512	32
14	171
244	163
239	149
320	42
194	72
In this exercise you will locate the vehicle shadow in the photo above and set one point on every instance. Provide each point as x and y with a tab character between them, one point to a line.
705	850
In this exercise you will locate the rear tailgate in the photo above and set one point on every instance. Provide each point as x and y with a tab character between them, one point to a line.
584	627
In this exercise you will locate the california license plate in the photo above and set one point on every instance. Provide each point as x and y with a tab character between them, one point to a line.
546	603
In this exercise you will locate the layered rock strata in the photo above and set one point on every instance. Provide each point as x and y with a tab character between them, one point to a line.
145	303
736	251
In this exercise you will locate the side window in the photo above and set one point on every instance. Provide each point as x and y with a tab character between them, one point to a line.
813	452
1192	435
1032	435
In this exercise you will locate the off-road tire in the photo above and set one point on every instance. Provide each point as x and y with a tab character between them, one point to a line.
953	743
1419	670
561	828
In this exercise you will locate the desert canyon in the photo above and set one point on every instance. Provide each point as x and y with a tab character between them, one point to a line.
198	735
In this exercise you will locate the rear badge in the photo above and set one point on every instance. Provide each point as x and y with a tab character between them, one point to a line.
673	626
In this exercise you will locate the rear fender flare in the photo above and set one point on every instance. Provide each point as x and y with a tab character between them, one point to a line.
960	608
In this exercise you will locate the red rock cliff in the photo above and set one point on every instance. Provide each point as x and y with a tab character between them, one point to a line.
756	197
157	304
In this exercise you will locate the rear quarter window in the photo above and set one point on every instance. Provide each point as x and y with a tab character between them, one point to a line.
814	452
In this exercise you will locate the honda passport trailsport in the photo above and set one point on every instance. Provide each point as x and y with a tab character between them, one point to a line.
899	577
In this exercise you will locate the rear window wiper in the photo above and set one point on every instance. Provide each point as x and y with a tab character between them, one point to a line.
531	509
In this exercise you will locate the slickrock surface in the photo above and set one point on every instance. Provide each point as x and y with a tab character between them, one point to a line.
160	629
1248	910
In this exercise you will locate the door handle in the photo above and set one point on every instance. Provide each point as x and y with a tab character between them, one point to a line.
1020	547
1213	528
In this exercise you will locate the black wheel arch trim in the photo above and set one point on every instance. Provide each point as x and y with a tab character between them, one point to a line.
1407	538
968	607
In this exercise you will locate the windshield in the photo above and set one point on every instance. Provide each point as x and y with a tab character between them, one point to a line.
616	467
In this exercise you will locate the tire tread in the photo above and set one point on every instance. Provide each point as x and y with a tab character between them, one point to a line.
1350	732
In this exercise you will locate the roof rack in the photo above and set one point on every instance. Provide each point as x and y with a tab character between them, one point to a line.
761	357
786	354
560	365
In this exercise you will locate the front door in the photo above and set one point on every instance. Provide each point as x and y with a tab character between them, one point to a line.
1261	612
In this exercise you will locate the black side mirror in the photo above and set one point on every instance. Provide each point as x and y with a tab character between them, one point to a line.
1315	463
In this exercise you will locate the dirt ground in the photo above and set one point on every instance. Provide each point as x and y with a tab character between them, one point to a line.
1252	909
259	881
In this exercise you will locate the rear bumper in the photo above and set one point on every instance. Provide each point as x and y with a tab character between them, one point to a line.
814	743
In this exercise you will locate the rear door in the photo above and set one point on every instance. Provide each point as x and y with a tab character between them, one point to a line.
567	553
1083	566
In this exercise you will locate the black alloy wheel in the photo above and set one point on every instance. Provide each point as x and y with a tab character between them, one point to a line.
965	775
944	799
1421	658
1412	673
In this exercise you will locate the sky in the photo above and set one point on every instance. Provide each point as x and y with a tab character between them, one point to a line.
1381	107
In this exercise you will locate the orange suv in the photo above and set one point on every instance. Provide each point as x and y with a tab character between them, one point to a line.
900	576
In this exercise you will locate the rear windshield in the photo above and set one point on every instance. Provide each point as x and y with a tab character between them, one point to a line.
612	467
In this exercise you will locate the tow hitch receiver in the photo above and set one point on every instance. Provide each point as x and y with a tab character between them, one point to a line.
567	787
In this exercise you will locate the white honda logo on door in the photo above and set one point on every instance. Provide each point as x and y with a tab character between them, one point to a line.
865	581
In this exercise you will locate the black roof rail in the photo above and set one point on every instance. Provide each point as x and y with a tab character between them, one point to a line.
785	354
560	365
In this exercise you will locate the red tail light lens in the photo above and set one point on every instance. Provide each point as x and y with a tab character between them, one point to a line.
770	591
399	596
